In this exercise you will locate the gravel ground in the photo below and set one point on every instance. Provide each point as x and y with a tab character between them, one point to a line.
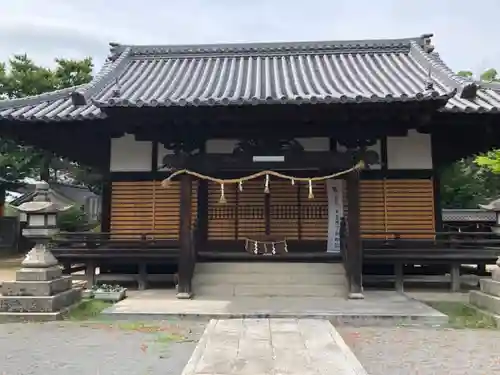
93	348
412	351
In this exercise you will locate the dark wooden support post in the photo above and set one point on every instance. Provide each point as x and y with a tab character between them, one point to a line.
455	277
354	247
90	274
186	258
399	274
142	282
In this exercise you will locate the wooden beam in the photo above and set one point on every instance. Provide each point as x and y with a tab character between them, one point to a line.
186	257
332	161
354	246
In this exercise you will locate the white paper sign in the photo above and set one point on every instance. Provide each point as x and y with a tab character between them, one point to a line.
335	214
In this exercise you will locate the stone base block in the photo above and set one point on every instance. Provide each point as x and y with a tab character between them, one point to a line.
485	301
36	288
40	304
495	274
490	287
39	274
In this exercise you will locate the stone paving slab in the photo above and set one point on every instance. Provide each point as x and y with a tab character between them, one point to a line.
377	308
272	347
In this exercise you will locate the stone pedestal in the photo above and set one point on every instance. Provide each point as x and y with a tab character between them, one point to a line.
38	293
488	298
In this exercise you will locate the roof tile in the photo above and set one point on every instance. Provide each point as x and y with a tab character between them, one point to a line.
260	73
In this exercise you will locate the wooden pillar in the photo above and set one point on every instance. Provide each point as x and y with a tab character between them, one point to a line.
90	274
202	212
399	277
455	277
142	281
186	258
354	249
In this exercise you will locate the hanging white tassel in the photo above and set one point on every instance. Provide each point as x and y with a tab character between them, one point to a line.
311	194
293	181
222	196
255	247
459	230
240	186
274	249
266	186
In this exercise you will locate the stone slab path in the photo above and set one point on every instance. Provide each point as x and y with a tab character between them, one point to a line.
378	308
272	347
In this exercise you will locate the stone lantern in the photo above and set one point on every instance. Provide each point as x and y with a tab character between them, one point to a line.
40	291
495	207
41	217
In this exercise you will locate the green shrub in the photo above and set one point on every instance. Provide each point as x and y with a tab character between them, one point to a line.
74	220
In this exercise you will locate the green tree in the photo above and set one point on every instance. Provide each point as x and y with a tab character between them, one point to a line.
19	78
464	184
474	180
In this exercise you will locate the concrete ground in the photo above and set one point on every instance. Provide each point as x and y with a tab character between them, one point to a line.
424	351
90	348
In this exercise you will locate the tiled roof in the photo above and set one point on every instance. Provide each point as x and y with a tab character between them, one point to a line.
467	215
262	73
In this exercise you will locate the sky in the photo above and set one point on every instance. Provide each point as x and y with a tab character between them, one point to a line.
466	33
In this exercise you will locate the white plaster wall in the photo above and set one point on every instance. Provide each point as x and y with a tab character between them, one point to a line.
410	152
376	147
129	155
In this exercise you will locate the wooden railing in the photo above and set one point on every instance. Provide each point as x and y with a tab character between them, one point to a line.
91	240
429	240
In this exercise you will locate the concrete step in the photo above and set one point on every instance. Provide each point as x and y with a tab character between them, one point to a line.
270	268
268	279
229	290
485	301
490	287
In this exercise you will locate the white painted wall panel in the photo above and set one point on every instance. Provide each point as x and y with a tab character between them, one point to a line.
130	155
410	152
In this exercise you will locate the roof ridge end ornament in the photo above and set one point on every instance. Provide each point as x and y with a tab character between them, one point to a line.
78	98
468	91
427	46
429	83
116	93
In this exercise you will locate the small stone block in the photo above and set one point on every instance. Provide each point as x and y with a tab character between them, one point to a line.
31	304
183	295
36	288
39	274
356	296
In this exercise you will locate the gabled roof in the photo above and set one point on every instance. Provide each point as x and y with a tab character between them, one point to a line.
66	194
260	73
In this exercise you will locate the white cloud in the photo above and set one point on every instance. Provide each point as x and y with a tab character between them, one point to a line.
465	32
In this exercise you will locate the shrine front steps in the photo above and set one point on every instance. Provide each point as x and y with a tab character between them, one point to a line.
260	279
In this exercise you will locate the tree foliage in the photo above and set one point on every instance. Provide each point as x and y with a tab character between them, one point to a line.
474	180
464	184
22	77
